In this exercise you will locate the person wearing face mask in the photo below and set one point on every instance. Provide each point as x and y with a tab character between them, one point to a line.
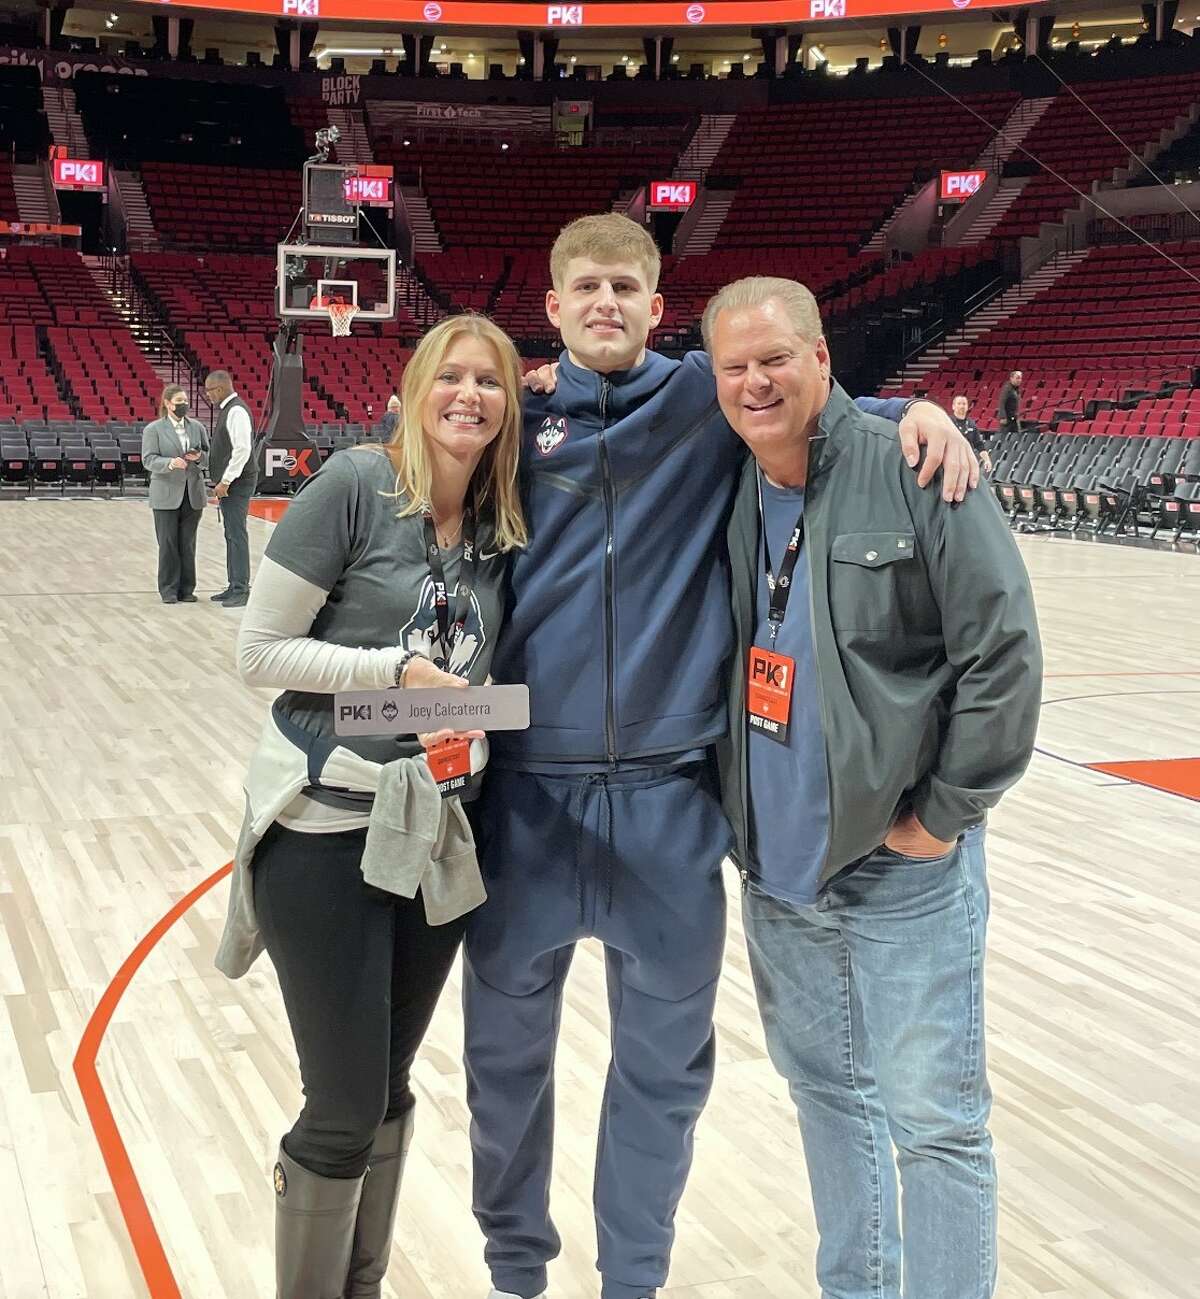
356	867
175	454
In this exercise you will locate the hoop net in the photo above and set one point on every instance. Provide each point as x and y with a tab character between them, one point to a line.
341	317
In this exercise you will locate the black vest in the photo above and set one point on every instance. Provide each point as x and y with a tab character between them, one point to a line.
221	449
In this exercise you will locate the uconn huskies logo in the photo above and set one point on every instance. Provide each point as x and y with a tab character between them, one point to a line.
420	632
552	434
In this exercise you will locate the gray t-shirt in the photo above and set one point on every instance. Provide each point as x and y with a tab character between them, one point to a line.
343	534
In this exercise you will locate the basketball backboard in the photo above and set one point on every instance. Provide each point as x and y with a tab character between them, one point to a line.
310	278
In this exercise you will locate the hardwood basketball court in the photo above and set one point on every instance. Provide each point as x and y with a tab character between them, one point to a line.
126	733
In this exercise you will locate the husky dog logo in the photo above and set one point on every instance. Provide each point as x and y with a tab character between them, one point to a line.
420	632
553	433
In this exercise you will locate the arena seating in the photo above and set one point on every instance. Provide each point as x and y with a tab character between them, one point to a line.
822	175
1098	482
89	356
1082	149
28	390
1123	319
536	187
210	206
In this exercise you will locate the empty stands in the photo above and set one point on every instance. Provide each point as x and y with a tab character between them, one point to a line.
1074	139
1124	318
816	174
486	196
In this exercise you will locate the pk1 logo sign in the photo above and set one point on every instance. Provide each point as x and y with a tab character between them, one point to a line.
958	186
564	16
75	173
302	8
296	463
367	189
672	195
827	8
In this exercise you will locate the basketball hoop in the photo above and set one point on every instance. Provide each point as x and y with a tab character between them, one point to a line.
341	317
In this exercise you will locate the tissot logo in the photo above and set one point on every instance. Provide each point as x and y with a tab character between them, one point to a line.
302	8
564	15
827	9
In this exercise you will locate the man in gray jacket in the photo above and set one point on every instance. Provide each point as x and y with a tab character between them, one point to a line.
885	693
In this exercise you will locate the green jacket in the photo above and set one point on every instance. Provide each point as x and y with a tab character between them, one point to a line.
929	664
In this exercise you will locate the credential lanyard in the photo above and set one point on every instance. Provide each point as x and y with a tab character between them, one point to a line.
449	632
780	586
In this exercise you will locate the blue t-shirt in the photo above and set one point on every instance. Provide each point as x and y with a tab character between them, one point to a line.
789	784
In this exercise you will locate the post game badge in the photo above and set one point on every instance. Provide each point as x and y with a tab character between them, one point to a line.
450	764
769	692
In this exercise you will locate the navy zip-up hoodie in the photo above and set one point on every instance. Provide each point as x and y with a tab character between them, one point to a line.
619	616
619	613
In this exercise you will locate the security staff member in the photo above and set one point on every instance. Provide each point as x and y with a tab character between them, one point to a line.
972	432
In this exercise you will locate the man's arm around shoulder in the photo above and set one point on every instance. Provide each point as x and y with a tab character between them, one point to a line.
989	625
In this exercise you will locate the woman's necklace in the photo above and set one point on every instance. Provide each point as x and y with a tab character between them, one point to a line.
447	539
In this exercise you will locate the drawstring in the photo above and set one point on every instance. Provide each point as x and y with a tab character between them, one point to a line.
606	818
593	779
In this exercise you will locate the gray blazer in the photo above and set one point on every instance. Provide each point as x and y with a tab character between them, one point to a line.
161	445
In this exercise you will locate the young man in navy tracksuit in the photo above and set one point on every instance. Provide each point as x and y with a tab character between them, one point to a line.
603	818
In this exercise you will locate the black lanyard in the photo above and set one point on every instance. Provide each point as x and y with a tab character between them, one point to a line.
780	586
449	632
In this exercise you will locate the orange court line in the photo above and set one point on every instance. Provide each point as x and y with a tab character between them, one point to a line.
270	508
160	1280
1174	775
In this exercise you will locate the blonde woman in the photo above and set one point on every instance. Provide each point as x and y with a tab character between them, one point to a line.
175	454
345	600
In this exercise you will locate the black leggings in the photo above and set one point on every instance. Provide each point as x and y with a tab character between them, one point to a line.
361	972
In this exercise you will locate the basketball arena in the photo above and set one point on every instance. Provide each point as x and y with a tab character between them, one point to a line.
988	203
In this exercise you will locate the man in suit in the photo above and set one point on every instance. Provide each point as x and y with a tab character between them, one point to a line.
234	472
175	454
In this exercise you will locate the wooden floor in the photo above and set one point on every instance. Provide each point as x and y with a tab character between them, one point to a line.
125	735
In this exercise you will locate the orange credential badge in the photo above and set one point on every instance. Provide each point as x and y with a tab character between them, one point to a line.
769	692
450	763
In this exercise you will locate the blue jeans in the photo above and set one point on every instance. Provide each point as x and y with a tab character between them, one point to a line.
872	1004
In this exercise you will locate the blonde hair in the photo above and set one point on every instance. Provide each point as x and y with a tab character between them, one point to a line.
170	391
606	238
757	290
494	484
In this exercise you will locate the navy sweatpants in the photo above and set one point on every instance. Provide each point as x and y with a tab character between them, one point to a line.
633	858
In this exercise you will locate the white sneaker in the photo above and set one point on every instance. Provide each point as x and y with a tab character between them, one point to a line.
504	1294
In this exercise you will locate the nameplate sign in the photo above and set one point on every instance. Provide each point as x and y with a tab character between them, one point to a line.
408	711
